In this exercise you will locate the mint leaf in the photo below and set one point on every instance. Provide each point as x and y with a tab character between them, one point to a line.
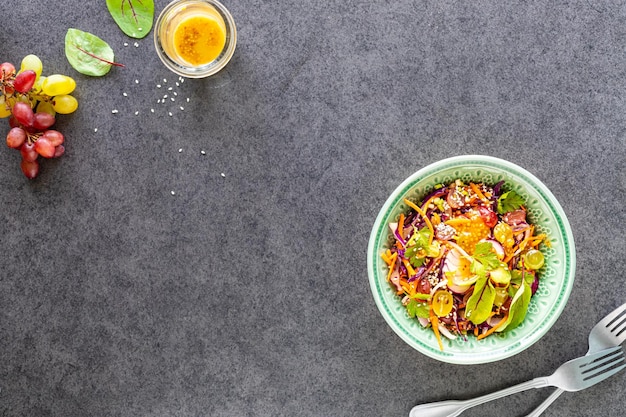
509	201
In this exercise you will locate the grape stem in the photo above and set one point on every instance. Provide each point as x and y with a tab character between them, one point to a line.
117	64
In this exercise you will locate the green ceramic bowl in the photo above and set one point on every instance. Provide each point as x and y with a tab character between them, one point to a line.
557	274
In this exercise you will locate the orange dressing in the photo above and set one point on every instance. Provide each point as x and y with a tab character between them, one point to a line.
200	39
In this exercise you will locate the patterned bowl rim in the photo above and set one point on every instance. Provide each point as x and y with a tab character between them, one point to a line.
380	233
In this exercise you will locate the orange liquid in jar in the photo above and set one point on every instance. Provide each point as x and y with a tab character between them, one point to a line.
200	38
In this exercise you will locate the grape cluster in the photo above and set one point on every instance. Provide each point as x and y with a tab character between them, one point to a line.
31	101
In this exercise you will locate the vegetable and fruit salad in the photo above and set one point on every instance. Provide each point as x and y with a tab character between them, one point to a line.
465	260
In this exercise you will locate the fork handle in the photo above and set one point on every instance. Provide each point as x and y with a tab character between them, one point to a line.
453	408
546	403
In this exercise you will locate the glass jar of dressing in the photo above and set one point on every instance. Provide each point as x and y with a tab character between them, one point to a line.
195	38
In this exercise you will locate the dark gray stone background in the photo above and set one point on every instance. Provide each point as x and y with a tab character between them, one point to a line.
247	294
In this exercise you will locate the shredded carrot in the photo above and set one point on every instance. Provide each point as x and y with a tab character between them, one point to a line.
409	267
427	203
494	328
477	191
421	213
435	323
392	264
517	232
476	331
459	221
387	255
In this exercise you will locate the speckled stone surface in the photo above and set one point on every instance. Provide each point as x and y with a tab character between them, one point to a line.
141	277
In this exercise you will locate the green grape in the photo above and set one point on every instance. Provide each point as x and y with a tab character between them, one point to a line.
64	104
32	62
58	85
39	84
5	110
533	259
46	107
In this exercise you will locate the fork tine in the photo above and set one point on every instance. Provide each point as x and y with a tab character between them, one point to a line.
601	364
602	376
615	315
619	326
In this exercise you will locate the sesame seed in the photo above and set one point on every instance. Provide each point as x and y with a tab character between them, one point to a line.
223	175
180	150
177	84
175	93
169	89
182	108
187	99
96	129
140	29
164	80
169	113
136	113
173	192
113	111
125	95
152	110
172	99
136	45
203	153
136	81
165	96
158	85
125	43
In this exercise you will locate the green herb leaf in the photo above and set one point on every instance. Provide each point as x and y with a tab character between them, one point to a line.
480	304
418	248
509	201
417	309
134	17
88	54
484	253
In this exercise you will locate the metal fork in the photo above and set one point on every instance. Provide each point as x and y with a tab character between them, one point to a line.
573	375
610	331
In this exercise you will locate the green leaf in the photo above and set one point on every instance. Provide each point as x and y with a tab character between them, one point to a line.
417	309
519	307
484	253
134	17
418	247
509	201
480	304
87	53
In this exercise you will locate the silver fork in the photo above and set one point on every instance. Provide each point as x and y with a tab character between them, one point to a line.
573	375
610	331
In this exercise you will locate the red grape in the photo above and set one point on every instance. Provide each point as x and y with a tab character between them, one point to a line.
13	122
23	114
55	137
16	137
24	81
43	120
44	147
6	70
59	151
28	152
30	168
